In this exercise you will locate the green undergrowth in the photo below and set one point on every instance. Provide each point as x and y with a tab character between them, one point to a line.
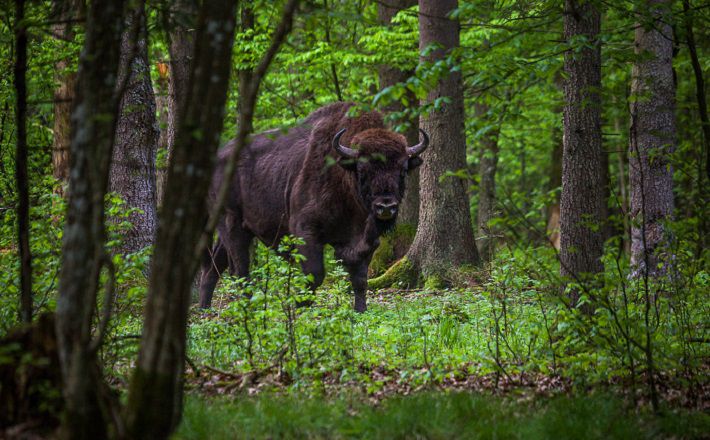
431	416
516	325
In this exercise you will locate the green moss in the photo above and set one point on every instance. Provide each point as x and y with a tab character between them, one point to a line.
434	282
393	246
382	258
401	274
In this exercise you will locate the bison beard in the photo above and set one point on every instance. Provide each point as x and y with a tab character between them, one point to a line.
284	185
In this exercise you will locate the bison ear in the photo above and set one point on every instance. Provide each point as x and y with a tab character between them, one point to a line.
414	162
347	164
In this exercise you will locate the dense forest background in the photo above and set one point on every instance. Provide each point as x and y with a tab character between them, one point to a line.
548	274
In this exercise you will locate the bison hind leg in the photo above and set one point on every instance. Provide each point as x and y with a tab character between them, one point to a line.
237	241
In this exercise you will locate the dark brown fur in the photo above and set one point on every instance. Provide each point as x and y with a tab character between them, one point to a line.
284	185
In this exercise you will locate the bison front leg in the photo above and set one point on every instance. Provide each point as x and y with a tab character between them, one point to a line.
313	264
214	262
358	279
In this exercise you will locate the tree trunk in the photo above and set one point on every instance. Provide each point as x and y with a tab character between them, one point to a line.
581	238
162	104
555	183
155	395
704	120
445	236
245	75
389	76
622	163
64	11
488	162
83	253
180	21
21	176
652	138
553	210
133	166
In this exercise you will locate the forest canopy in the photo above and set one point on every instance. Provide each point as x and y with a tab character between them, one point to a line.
354	219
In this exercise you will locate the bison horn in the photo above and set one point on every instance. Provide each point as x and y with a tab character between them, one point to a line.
342	149
418	149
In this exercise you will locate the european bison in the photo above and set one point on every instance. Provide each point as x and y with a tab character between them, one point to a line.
285	184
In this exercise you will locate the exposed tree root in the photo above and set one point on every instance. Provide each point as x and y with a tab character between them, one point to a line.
401	274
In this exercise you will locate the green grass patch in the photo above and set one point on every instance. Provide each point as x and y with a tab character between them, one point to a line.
431	416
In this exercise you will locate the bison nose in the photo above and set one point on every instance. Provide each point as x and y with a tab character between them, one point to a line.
386	210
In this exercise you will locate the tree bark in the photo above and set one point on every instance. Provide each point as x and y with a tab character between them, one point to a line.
488	162
389	76
133	166
21	176
180	25
155	395
652	138
581	238
64	11
83	253
445	235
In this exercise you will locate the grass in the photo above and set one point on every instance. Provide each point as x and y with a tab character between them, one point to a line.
431	416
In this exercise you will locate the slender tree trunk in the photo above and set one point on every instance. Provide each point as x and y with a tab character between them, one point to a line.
389	76
245	75
83	253
581	202
703	112
133	166
180	23
64	11
606	225
445	235
555	183
652	138
333	68
21	176
553	210
622	162
155	395
488	162
162	103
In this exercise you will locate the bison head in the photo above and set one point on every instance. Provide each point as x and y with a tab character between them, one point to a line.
380	163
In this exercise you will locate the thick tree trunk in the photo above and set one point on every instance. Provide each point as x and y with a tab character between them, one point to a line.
83	252
581	202
64	12
155	397
409	208
445	235
21	176
488	162
652	138
180	22
133	166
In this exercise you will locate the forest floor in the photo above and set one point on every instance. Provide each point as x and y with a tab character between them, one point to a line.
433	415
418	364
